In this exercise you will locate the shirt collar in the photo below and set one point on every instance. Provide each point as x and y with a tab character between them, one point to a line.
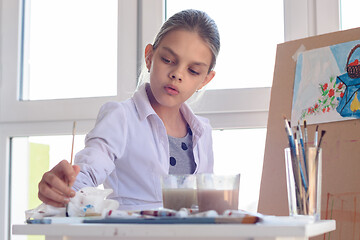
142	102
195	125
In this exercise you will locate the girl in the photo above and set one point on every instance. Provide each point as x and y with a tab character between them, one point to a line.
154	133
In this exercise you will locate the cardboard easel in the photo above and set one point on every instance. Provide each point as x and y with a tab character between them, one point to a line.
341	144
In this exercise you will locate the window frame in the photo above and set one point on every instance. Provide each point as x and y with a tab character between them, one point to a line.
229	108
12	110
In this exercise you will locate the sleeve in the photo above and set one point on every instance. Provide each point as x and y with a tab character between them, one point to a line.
103	145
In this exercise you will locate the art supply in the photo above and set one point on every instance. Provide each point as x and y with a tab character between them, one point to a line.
304	197
71	159
314	192
302	149
316	136
290	136
298	158
297	168
120	213
218	192
305	133
179	191
306	201
294	169
321	137
318	146
158	213
209	213
318	165
189	211
176	220
306	140
73	140
246	216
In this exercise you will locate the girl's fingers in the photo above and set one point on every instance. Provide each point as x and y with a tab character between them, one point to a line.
67	174
47	200
51	196
52	183
55	185
64	168
68	171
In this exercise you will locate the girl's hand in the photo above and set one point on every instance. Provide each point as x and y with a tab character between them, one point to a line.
55	185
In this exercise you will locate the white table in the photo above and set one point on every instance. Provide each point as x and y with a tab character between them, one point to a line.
277	230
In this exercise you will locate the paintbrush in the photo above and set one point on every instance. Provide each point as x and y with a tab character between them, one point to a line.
302	151
297	150
318	146
72	144
71	159
313	177
294	163
306	139
316	136
301	138
305	133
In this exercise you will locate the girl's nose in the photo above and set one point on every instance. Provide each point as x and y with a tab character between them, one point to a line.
176	75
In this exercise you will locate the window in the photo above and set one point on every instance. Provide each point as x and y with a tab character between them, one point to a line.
67	56
31	158
246	59
81	89
349	14
235	112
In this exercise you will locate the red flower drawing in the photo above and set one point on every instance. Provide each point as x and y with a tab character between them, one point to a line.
325	86
340	85
330	93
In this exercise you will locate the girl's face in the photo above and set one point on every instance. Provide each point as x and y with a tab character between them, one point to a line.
178	67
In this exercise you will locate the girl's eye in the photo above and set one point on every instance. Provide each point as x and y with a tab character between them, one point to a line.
193	71
165	60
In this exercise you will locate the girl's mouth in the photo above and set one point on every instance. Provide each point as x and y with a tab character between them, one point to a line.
171	90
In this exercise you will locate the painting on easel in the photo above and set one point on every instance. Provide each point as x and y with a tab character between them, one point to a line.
326	85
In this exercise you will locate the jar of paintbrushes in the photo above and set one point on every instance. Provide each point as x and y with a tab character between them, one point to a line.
303	162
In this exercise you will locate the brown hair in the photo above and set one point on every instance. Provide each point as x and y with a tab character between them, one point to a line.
196	21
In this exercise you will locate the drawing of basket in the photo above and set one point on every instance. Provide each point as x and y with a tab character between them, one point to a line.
353	70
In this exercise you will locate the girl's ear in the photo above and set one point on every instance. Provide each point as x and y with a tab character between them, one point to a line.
148	56
207	79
